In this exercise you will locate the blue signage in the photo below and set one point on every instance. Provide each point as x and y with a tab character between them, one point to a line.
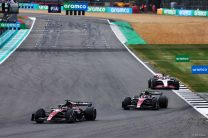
200	69
119	10
27	5
185	12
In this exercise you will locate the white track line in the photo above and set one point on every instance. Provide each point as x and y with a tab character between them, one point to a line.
203	111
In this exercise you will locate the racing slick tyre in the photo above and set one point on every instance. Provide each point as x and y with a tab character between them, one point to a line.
126	102
39	115
149	83
152	83
90	113
155	104
163	101
70	116
176	84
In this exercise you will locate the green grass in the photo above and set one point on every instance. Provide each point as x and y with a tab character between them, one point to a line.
162	57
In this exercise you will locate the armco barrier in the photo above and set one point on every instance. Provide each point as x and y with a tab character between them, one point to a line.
76	6
169	11
182	12
10	26
200	13
97	9
185	12
29	6
42	7
119	10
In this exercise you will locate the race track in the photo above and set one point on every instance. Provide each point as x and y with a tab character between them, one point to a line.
80	58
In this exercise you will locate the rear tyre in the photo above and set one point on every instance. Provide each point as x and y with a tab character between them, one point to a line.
176	84
126	102
90	113
40	115
163	101
70	116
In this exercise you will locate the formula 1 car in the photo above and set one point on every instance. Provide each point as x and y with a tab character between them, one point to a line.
69	112
146	100
160	81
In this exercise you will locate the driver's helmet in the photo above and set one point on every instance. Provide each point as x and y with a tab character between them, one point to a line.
146	92
68	104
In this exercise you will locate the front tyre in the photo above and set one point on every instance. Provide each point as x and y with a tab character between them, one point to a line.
70	116
163	101
126	102
39	116
176	84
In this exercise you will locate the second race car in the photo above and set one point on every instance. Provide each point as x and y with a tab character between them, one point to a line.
69	112
146	100
160	81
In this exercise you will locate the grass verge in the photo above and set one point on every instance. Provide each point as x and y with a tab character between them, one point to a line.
162	57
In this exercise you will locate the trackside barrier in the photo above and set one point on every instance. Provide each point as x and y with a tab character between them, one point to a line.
75	8
28	6
179	12
79	8
10	26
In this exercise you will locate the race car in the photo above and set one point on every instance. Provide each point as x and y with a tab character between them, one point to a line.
146	100
160	81
69	112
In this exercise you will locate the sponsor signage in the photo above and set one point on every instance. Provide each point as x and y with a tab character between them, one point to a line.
26	5
54	9
77	6
169	11
196	69
185	12
97	9
200	13
43	7
119	10
9	25
182	58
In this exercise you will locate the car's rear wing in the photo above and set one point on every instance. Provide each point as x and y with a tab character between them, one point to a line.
152	92
80	103
155	93
83	103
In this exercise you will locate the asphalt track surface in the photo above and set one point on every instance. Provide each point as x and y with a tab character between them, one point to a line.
80	58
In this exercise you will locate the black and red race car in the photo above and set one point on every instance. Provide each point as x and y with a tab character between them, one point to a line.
160	81
69	112
146	100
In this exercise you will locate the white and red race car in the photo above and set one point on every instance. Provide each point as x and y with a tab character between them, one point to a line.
160	81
